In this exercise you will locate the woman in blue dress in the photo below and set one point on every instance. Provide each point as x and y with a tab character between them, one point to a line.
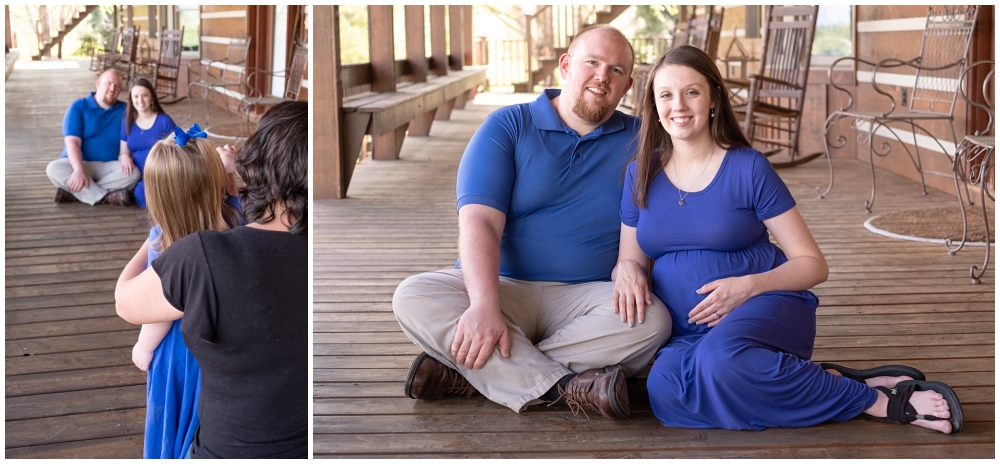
701	202
145	124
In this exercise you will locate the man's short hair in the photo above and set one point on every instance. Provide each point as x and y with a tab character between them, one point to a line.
595	27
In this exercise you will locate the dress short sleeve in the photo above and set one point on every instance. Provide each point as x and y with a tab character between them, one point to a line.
124	136
486	173
188	286
771	195
629	212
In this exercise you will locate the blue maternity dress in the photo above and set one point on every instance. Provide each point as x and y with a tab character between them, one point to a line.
752	371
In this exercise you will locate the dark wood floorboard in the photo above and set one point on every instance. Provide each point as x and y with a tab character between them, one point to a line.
887	301
71	390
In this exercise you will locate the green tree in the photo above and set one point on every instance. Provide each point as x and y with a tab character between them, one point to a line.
354	34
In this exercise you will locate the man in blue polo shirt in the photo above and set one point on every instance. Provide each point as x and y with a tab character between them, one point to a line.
91	168
539	189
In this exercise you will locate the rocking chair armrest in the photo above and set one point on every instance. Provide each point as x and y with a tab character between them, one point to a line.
756	79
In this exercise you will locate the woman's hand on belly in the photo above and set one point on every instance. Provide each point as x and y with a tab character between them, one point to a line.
724	295
631	292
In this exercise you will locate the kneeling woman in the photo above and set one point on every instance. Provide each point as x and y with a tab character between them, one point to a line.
243	293
701	202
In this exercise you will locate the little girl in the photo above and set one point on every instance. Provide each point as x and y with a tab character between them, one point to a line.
188	189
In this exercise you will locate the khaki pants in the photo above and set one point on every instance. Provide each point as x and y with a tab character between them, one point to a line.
104	176
555	329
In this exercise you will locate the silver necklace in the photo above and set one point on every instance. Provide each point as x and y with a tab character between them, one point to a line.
680	197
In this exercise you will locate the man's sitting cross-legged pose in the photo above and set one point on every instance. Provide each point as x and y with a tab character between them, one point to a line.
91	168
539	189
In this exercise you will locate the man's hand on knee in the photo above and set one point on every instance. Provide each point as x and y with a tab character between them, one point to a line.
479	330
77	181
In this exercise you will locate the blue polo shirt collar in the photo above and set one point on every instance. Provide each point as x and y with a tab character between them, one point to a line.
546	117
93	105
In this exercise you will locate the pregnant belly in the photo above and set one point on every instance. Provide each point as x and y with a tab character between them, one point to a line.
678	275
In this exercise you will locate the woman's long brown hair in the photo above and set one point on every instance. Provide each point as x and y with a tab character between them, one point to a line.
654	144
131	114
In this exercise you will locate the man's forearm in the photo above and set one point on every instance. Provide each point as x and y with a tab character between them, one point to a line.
74	152
480	229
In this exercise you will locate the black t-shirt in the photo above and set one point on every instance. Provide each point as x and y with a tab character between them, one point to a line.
244	294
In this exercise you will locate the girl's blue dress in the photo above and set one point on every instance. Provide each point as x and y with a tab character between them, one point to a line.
173	386
752	370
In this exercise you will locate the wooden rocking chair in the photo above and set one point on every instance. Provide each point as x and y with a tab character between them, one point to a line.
702	33
124	61
167	68
772	115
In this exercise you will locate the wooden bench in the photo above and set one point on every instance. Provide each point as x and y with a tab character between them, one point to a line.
413	107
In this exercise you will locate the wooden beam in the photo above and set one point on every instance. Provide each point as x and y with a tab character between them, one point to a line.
380	46
456	30
415	42
420	126
259	28
386	147
332	167
439	47
467	34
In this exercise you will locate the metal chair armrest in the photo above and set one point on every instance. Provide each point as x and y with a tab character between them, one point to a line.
829	76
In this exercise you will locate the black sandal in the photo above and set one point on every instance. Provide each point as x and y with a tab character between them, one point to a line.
890	370
900	410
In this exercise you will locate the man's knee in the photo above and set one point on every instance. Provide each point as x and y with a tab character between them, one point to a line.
657	321
415	295
59	169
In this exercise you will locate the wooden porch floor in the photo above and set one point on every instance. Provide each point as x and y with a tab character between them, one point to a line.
883	299
71	390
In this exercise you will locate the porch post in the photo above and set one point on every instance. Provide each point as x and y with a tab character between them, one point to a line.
332	165
380	43
439	48
416	54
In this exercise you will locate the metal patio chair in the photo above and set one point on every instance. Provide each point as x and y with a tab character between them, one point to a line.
938	69
293	75
973	163
227	77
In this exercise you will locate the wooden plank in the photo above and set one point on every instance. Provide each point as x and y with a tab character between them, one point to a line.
127	447
62	429
53	382
75	402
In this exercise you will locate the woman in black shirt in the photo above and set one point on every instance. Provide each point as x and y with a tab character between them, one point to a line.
244	297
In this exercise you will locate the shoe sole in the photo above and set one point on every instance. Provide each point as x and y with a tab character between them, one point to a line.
408	386
618	393
891	370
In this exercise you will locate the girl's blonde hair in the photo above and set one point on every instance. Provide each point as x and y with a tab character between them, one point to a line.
186	189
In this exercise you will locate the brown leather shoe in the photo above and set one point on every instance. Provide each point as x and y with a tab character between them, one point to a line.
119	197
429	379
63	196
597	390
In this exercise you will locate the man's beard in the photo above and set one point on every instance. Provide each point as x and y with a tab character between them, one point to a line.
591	113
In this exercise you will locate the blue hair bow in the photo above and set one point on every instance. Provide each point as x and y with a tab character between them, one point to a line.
194	132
